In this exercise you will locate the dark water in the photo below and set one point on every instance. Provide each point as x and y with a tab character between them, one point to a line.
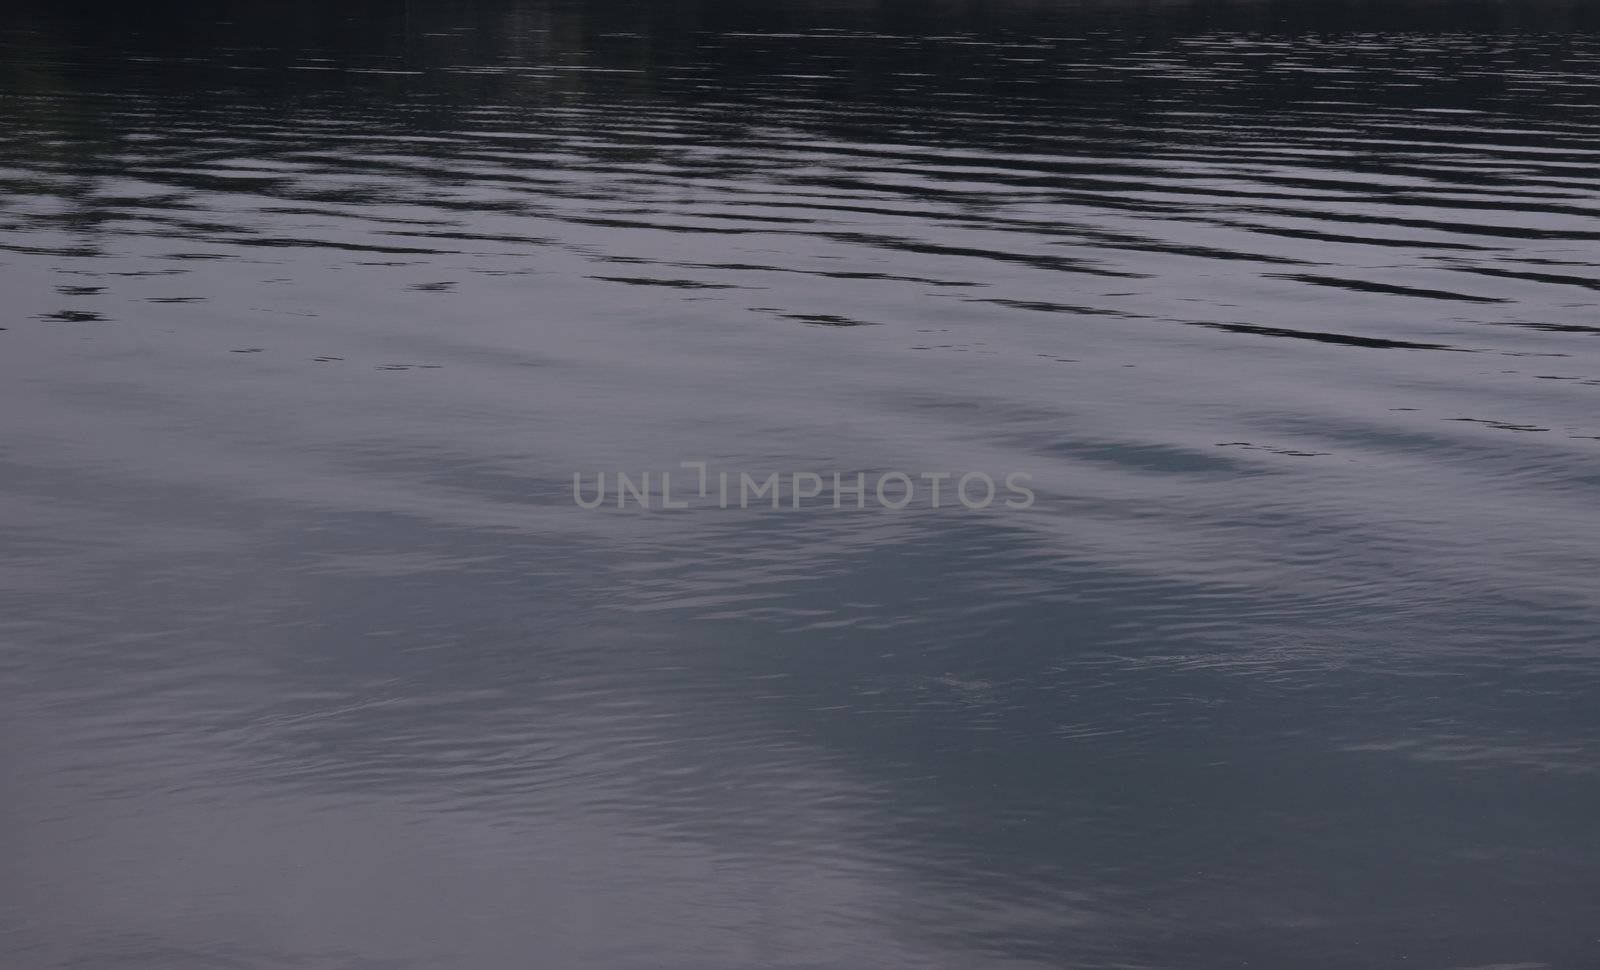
1289	310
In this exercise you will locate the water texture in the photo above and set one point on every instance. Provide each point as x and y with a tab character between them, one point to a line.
1289	311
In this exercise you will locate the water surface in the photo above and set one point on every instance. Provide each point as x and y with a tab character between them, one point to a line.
309	659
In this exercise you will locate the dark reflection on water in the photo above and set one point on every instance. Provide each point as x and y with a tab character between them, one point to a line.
311	311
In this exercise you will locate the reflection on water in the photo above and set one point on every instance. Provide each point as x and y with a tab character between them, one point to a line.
311	312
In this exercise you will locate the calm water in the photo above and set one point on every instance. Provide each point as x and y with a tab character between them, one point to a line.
309	659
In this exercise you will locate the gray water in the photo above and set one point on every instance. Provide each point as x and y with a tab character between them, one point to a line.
308	658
